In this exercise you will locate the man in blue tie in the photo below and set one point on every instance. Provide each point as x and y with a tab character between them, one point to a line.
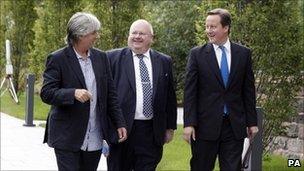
219	98
146	94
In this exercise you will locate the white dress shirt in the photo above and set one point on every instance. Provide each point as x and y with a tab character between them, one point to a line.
139	91
218	53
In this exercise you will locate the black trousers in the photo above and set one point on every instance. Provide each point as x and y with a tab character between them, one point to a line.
227	148
80	160
139	152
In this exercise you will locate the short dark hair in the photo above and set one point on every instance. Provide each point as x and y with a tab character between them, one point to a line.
224	15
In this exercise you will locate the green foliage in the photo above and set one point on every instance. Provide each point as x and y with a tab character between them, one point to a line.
277	44
174	30
18	21
271	30
102	11
50	30
116	18
3	24
279	163
122	16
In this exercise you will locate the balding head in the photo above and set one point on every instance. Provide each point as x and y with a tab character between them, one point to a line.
143	23
140	36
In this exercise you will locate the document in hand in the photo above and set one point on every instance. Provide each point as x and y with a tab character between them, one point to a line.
247	149
105	148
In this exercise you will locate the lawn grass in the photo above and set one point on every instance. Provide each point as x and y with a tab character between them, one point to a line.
177	154
280	163
8	106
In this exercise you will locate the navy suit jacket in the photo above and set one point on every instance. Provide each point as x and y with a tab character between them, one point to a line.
68	118
205	93
164	98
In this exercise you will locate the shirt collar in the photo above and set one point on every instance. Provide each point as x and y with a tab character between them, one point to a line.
146	54
227	45
79	56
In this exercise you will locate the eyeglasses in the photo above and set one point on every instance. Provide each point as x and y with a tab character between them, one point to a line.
139	34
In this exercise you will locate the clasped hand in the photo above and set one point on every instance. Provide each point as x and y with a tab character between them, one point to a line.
82	95
122	134
189	132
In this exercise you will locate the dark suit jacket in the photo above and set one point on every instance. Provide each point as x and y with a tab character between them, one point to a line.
205	94
68	118
164	98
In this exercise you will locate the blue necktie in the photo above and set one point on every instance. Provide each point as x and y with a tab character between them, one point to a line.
224	72
146	86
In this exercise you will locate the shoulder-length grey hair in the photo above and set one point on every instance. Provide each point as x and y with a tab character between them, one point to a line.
80	24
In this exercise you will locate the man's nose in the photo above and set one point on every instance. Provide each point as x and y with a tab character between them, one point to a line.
208	30
137	35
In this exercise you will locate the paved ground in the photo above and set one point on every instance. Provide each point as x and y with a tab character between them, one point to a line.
22	147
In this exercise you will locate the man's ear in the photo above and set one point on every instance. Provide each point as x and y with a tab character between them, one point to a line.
226	28
153	38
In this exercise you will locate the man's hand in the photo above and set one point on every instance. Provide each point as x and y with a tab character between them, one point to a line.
188	132
169	135
252	131
82	95
122	134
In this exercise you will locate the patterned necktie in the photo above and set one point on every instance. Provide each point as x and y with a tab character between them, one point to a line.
146	86
224	72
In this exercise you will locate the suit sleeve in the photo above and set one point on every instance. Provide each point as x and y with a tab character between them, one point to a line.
249	96
113	106
190	91
171	108
51	92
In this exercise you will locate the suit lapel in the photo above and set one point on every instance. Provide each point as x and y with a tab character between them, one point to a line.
129	68
213	64
73	61
96	66
234	63
156	66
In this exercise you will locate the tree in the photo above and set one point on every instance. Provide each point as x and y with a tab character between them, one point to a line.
116	18
123	14
271	30
50	30
3	27
19	20
101	10
50	27
174	30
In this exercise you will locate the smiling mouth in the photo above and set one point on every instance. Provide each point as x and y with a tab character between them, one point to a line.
211	35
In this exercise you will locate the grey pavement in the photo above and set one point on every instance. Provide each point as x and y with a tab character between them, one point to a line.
22	147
